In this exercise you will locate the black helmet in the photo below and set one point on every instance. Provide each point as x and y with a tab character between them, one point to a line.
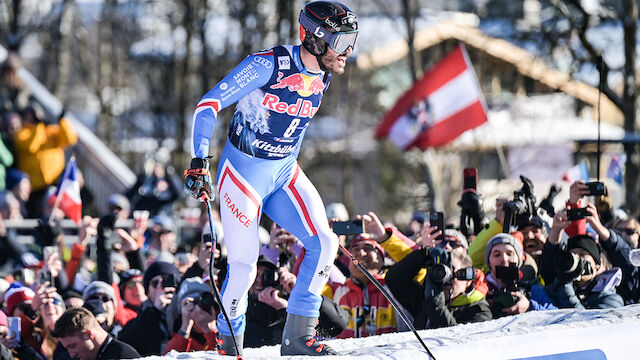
327	24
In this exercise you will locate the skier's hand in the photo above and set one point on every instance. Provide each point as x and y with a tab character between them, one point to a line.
197	180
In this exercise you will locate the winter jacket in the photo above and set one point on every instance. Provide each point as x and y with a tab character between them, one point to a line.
113	349
600	293
618	253
398	246
148	332
195	342
40	148
264	324
6	160
370	312
431	312
476	248
539	300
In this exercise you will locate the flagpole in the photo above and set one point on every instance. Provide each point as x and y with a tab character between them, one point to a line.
57	203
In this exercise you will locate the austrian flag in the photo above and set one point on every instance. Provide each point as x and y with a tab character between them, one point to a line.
443	104
67	197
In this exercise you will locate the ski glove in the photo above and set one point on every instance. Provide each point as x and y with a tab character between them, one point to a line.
197	180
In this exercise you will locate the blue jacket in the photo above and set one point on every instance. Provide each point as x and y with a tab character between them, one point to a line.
618	253
600	293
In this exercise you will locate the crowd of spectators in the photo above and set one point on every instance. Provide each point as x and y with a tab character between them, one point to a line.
132	285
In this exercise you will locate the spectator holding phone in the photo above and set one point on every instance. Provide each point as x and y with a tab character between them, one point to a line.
13	345
150	330
198	329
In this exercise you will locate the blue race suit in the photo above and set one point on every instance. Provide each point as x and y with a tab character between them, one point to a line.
258	172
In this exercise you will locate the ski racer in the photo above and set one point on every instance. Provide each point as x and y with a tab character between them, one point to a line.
277	91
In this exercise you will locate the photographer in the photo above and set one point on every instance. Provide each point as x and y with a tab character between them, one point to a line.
198	329
447	297
370	312
579	278
149	331
512	287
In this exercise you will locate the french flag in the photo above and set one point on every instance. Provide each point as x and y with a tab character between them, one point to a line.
577	172
443	104
67	197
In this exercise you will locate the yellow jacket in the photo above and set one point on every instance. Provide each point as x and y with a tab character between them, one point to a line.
40	151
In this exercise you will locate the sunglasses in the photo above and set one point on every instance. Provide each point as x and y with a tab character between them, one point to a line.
339	42
454	244
103	298
628	231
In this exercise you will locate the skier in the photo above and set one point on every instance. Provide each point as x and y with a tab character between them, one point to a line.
278	91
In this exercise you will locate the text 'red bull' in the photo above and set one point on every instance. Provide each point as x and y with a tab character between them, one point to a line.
302	108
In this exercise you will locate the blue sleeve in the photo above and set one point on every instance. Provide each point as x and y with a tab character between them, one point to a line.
540	301
251	74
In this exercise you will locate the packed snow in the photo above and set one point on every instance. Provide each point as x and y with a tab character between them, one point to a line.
558	334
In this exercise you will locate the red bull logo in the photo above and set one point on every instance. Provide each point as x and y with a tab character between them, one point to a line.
302	108
303	84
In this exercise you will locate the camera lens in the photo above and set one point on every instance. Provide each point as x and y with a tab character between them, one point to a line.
440	273
205	301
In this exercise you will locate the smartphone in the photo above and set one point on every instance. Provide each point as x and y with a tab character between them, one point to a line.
437	219
349	227
470	178
168	280
597	188
577	214
45	276
14	327
47	251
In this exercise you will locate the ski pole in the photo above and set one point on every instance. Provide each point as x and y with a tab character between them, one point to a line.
216	292
386	294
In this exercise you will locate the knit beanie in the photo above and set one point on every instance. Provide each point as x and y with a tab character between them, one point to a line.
587	243
16	294
98	288
503	238
155	269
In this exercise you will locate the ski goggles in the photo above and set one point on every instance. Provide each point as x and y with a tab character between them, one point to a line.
338	42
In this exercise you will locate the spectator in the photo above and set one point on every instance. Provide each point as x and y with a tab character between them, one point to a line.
417	222
163	235
150	330
591	285
18	301
370	312
198	327
20	185
267	307
132	290
14	96
158	187
104	294
438	303
10	247
10	347
72	299
515	294
535	232
39	150
83	337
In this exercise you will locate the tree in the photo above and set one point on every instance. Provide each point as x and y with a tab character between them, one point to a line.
626	14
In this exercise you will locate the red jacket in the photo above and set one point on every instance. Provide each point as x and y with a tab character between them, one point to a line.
378	319
180	343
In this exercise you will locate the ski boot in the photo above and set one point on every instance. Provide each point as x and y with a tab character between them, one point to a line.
298	337
227	347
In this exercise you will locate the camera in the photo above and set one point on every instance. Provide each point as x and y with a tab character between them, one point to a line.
523	205
206	301
597	188
570	266
510	277
168	280
547	203
577	214
270	278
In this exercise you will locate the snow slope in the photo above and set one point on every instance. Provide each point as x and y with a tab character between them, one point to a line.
560	334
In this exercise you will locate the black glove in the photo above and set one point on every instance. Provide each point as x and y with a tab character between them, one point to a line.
472	213
197	180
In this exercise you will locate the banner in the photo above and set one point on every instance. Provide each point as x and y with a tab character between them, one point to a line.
443	104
